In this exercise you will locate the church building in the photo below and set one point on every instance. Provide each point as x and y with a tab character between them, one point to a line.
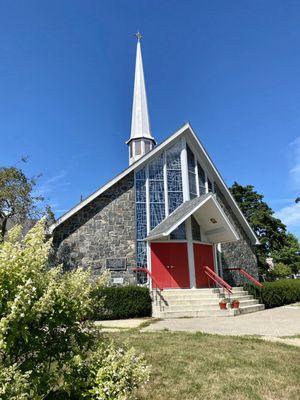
168	220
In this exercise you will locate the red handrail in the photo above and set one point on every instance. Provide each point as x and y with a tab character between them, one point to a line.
217	279
246	274
146	270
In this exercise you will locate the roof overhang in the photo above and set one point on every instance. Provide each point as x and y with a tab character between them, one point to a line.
209	214
187	132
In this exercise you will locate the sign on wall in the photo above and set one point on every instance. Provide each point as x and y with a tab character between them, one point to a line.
116	264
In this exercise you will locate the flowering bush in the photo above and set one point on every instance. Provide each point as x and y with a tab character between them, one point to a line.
47	348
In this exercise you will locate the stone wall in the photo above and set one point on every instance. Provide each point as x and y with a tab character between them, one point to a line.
236	254
103	229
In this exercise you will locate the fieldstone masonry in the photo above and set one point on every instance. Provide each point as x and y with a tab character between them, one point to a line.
236	254
102	230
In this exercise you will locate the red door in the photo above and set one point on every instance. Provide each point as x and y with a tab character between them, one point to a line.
203	256
169	265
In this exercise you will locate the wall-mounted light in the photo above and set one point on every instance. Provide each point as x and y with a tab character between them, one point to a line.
214	221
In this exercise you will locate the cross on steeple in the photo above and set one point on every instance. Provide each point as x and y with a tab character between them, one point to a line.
138	36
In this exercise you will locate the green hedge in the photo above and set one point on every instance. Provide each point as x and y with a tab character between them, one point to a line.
278	293
120	302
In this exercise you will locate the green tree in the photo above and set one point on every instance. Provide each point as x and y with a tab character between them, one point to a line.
270	231
289	253
17	202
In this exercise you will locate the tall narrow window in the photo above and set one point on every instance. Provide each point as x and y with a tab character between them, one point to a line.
191	173
147	146
174	177
178	233
196	232
138	147
156	191
141	218
210	185
201	179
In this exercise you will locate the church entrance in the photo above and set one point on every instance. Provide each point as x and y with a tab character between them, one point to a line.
169	264
203	256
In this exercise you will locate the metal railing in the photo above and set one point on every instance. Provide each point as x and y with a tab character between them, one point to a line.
246	274
146	270
217	279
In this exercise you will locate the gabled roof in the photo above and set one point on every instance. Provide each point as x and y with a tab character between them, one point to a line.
207	211
187	132
178	216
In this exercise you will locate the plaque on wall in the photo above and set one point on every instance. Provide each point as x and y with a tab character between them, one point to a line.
118	281
116	264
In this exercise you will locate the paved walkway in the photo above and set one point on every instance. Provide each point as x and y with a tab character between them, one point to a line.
121	323
276	322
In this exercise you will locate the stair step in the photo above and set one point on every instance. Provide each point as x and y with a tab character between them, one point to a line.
195	303
196	314
199	306
252	308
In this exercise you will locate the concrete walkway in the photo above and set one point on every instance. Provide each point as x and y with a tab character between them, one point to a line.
119	324
273	323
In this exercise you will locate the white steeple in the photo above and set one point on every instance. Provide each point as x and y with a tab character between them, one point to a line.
141	140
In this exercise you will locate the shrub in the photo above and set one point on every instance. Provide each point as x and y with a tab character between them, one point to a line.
119	302
276	294
47	348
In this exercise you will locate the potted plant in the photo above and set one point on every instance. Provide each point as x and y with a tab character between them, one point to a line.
235	303
223	304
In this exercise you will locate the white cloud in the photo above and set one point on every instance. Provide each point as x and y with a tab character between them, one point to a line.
52	184
290	215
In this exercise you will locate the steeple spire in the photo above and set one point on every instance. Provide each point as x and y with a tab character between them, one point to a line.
141	140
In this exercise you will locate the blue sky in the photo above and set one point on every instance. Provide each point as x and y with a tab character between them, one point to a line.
231	68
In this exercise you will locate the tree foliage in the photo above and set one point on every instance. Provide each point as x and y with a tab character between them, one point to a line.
271	232
17	202
47	347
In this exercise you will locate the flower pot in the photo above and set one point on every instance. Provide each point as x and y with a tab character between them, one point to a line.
223	306
235	304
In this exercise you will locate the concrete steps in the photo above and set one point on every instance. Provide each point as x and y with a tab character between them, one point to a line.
195	303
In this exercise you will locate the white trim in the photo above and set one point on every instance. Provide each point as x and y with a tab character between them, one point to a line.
184	172
197	176
190	250
147	199
166	195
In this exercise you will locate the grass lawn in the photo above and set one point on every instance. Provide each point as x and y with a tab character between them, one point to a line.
189	366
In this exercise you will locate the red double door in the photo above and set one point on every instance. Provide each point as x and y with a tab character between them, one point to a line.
170	266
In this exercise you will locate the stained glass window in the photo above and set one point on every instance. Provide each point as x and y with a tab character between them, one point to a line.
196	232
210	185
178	233
174	177
141	217
156	191
191	173
201	179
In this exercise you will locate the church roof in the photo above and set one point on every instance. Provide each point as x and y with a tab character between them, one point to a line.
212	219
186	132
